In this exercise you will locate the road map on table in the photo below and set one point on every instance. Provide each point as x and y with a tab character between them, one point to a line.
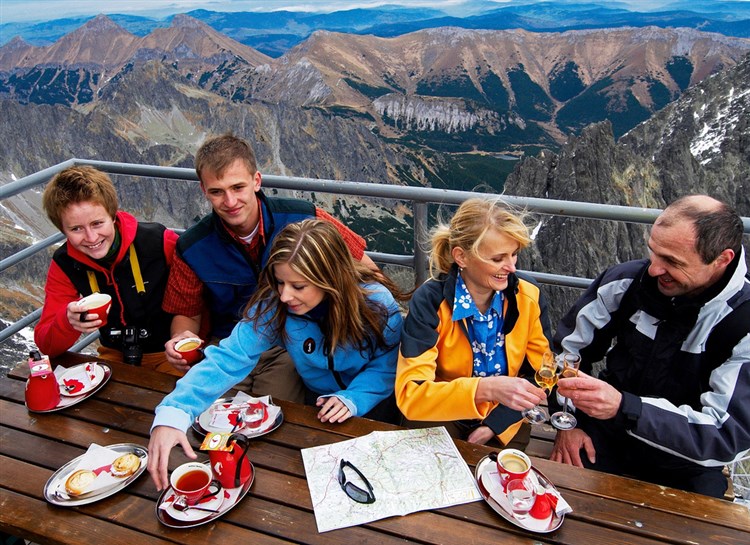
410	470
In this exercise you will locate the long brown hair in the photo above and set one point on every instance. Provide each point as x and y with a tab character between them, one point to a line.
315	250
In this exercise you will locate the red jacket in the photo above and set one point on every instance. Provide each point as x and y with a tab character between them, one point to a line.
53	334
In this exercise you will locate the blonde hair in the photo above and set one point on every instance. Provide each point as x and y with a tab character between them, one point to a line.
468	227
315	250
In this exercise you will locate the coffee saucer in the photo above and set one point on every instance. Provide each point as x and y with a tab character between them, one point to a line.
229	498
81	379
192	515
488	482
202	424
69	401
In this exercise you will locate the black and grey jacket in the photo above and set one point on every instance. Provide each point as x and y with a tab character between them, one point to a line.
681	364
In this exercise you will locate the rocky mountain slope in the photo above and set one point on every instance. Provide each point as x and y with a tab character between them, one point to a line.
698	144
447	89
499	89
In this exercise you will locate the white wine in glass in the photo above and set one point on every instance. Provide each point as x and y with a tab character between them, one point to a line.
563	420
546	378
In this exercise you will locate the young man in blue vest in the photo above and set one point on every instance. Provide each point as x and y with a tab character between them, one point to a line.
672	404
218	260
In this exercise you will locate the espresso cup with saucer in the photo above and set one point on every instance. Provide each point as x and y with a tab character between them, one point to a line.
194	481
512	464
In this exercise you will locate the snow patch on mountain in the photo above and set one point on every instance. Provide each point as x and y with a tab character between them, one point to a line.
706	145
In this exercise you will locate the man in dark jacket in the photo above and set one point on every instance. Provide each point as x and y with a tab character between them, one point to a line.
672	404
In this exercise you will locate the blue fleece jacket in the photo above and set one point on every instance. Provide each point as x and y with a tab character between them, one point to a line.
368	377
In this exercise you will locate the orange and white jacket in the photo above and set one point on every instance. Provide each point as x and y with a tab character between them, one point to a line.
434	379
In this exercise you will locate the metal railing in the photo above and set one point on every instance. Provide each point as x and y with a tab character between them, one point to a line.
420	198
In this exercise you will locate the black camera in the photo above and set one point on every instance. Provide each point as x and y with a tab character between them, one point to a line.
130	341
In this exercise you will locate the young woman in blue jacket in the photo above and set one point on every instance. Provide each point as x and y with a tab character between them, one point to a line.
338	320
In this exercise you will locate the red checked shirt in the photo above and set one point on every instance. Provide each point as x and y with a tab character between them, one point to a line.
184	293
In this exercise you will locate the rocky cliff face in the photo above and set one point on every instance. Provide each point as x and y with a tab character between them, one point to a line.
699	144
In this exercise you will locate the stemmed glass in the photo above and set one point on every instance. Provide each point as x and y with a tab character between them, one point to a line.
563	420
546	378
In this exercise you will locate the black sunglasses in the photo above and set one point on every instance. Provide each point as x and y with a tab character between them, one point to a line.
352	490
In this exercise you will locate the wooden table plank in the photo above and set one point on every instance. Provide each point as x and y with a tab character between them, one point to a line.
639	493
130	514
21	515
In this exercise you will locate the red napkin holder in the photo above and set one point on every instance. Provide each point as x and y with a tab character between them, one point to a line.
543	506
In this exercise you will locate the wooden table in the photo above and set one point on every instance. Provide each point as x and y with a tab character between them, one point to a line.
607	509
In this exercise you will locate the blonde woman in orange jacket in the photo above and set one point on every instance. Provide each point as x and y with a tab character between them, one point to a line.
472	329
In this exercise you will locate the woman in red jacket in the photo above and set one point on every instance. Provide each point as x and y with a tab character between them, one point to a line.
470	330
106	251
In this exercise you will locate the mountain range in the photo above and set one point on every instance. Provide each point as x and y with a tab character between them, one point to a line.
447	89
275	32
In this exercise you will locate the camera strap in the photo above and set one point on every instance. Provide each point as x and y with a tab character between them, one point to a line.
134	266
93	284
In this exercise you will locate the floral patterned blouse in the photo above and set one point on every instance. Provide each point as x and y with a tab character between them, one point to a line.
485	331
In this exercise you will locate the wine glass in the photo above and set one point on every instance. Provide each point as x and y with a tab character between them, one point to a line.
563	420
546	378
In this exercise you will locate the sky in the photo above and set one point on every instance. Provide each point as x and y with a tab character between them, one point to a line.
45	10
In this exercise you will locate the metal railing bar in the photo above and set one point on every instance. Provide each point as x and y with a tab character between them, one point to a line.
392	259
609	212
417	194
31	250
83	343
27	182
560	280
134	169
15	327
